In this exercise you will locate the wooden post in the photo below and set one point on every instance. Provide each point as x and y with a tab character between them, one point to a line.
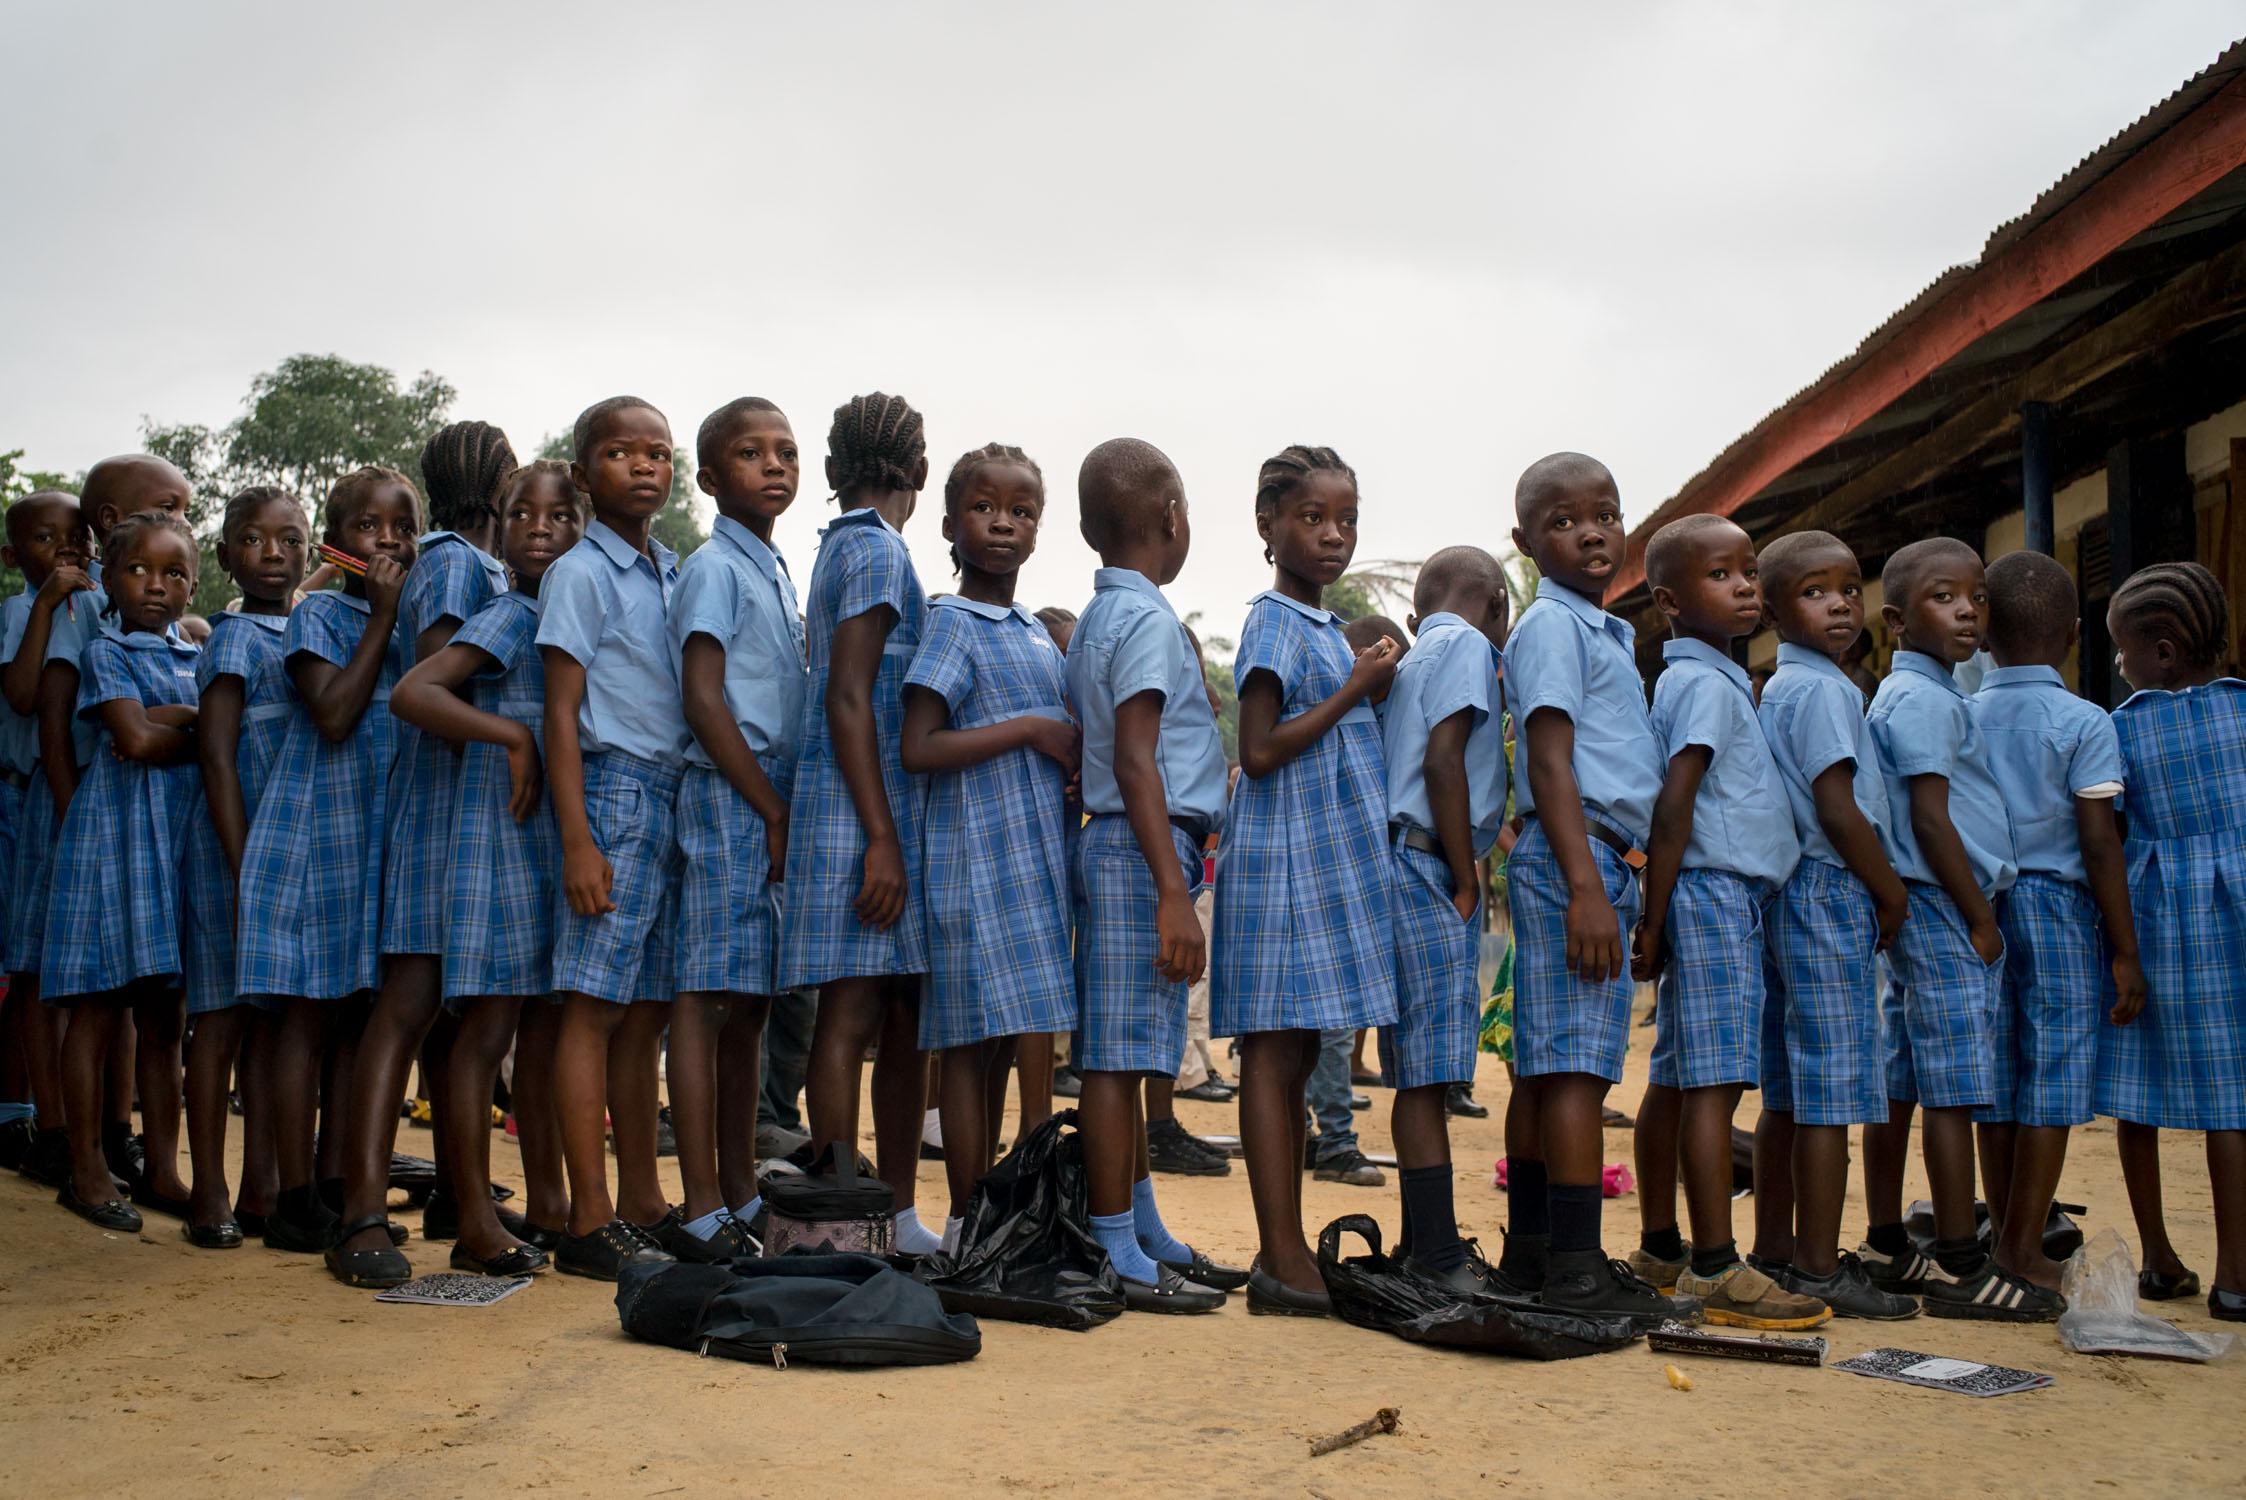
2035	475
2148	501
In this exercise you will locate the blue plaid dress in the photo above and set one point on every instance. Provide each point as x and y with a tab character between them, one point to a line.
503	875
452	578
67	638
862	565
311	885
247	647
113	913
1302	936
995	837
2181	1065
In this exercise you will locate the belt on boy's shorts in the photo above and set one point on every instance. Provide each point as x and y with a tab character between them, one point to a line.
1620	843
1415	838
1196	829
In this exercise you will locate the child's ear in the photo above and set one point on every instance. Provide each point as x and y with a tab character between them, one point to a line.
7	555
1891	615
1665	600
949	535
105	518
1411	623
578	478
704	483
832	483
920	472
1521	543
2074	634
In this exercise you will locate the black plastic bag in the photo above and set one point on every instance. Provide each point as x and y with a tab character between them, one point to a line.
801	1307
1371	1292
1026	1252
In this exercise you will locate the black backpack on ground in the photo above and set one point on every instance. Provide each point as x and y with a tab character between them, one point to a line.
807	1307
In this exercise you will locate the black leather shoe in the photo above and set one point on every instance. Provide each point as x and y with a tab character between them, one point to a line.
440	1219
379	1268
1171	1293
2227	1305
1269	1297
295	1228
1470	1278
49	1161
1203	1271
679	1242
16	1139
548	1240
1521	1266
224	1235
517	1260
2159	1286
602	1253
1458	1099
116	1213
1585	1281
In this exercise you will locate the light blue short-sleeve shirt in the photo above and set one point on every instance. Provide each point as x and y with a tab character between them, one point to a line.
1740	819
1924	725
2046	748
736	590
73	629
1130	641
1813	719
19	733
1569	654
1451	669
604	602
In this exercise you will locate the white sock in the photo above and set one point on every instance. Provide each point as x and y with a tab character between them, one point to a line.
912	1237
932	1129
951	1234
749	1210
707	1225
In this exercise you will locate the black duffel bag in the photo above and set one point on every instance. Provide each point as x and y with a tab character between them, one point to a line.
819	1309
1371	1291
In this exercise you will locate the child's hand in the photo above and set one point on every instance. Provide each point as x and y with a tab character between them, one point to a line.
1375	668
1594	936
1184	950
60	585
587	880
776	849
318	579
1058	740
1988	941
1649	951
1890	919
1467	902
881	899
386	580
2130	989
526	773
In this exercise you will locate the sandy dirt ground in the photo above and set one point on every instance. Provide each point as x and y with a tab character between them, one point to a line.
139	1365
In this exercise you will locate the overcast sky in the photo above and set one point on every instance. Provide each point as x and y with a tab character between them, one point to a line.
1442	239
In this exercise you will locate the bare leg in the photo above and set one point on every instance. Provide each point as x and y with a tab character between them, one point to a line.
538	1124
118	1072
160	1015
1574	1135
1271	1137
1109	1110
436	1067
261	1173
1946	1138
1781	1190
210	1071
478	1043
41	1028
580	1090
346	1024
2140	1171
2039	1157
297	1034
900	1092
1997	1144
1706	1137
995	1074
1887	1150
850	1017
634	1050
403	1010
697	1021
1033	1059
740	1057
969	1126
2226	1172
1821	1185
1654	1145
85	1057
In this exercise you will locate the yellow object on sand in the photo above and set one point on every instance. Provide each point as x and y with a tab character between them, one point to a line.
1677	1377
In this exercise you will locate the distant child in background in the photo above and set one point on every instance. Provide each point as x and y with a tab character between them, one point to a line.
454	575
499	908
47	540
112	940
2180	1065
308	905
1059	623
1722	845
854	924
1822	1067
1444	740
1593	769
2067	928
1153	783
243	702
734	631
1301	941
614	742
987	722
1953	847
194	629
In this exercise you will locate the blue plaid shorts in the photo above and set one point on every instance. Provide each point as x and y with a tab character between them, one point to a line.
28	875
1130	1019
729	933
1561	1024
1938	1010
11	808
2044	1034
631	953
1707	1023
1438	958
1824	997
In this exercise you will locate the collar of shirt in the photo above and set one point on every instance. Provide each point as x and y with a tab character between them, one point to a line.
2144	698
1443	620
1791	655
1684	648
485	560
278	624
625	556
987	611
1592	616
864	515
141	640
1314	613
1132	580
767	559
1925	666
359	602
2024	677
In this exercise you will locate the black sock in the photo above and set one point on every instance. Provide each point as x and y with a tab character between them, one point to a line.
1403	1245
1575	1216
1662	1244
1714	1260
1429	1209
1959	1257
1889	1239
1527	1191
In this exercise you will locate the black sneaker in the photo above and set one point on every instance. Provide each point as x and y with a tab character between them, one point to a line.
1470	1278
1521	1266
1211	1090
17	1137
1585	1281
1458	1099
1849	1292
1352	1167
601	1254
1170	1147
1907	1273
666	1140
1991	1294
49	1161
670	1235
1067	1082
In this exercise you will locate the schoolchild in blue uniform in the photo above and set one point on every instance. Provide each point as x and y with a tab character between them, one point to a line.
47	540
1823	1068
454	575
852	923
737	642
1443	737
1952	842
308	905
1153	786
500	905
2182	1064
987	722
1300	941
1721	846
243	700
113	911
2068	932
613	740
1593	768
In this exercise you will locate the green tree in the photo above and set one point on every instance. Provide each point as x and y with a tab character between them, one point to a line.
1217	672
316	417
15	483
676	525
200	454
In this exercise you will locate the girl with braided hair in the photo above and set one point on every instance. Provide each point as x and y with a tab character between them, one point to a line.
2182	1064
853	923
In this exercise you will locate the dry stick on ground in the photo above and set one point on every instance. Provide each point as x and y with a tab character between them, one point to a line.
1383	1420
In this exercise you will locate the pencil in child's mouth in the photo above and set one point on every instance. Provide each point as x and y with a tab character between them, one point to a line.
354	566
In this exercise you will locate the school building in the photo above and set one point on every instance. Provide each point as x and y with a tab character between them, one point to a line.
2079	389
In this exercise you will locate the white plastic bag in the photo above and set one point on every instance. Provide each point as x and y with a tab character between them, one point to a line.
2100	1283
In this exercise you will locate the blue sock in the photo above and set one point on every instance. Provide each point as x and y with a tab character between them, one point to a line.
1119	1238
1154	1236
10	1113
749	1210
707	1225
